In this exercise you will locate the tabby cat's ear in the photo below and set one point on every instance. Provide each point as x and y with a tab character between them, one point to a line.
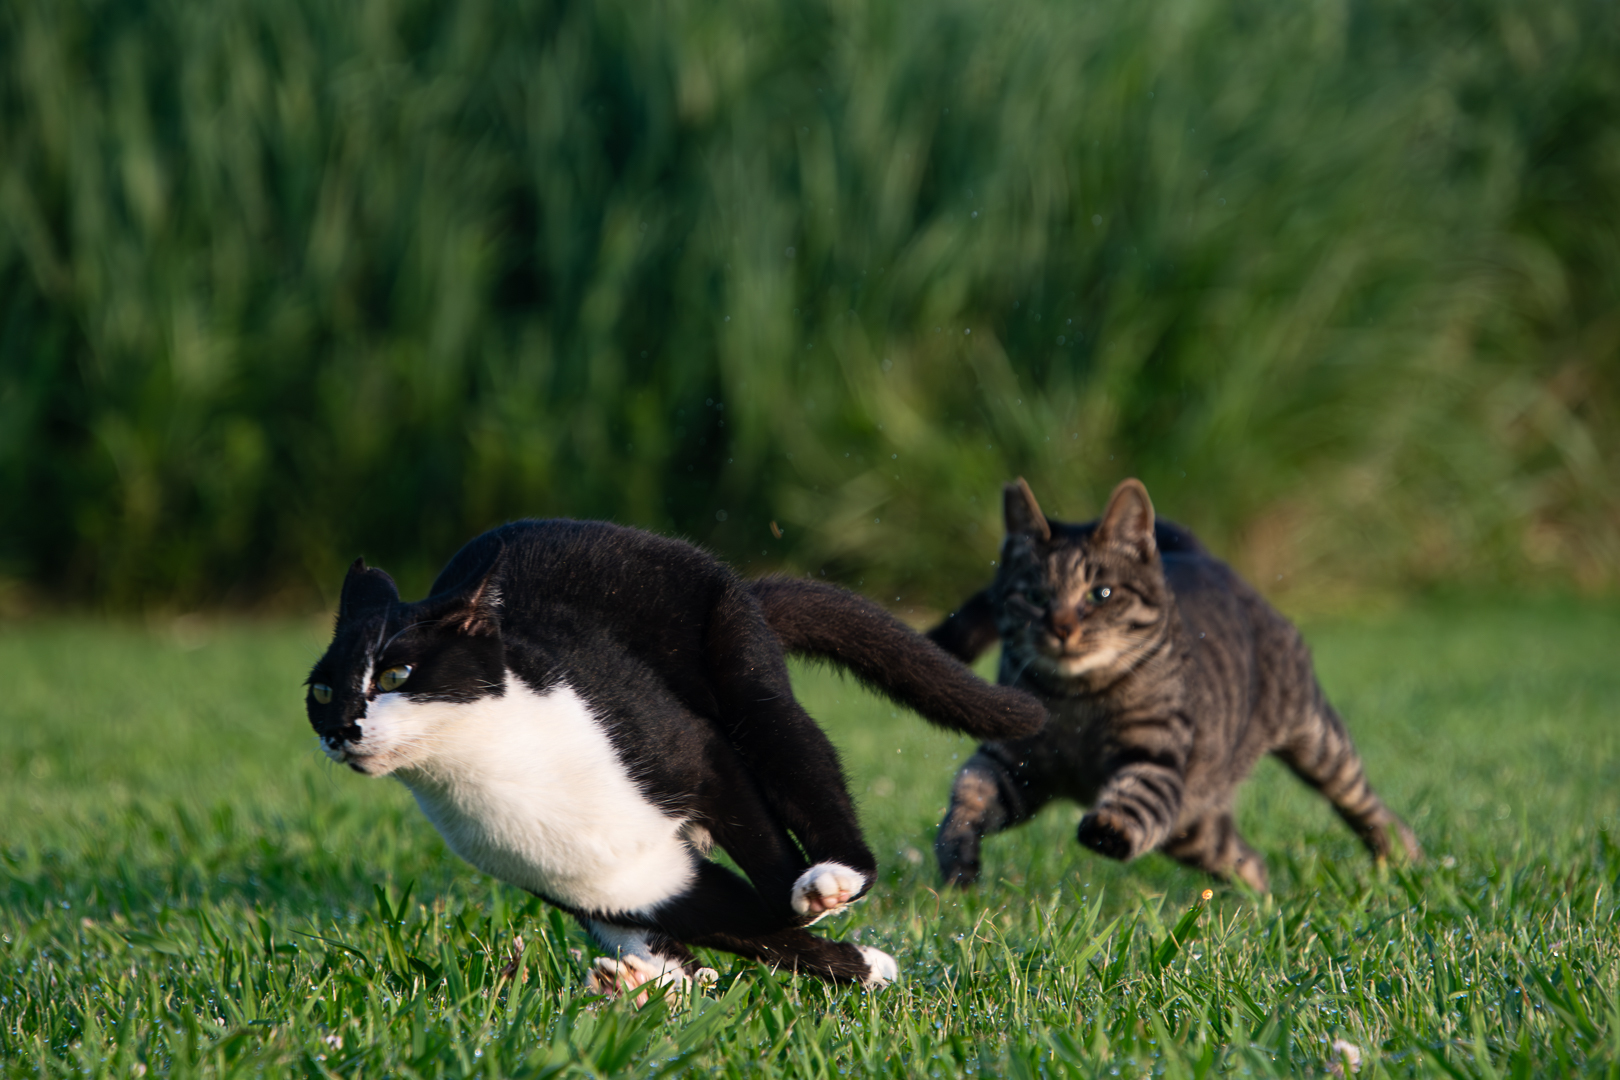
365	587
1022	513
477	612
1128	521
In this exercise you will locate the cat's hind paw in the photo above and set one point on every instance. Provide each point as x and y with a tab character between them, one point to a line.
826	889
880	967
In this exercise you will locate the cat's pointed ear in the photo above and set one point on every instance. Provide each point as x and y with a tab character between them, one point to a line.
1128	521
365	587
1022	513
477	611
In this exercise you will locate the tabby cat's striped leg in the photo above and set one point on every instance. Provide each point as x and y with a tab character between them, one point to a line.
1321	754
995	790
1214	845
1138	806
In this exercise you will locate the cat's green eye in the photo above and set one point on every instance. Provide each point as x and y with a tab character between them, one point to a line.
393	678
321	693
1099	594
1036	595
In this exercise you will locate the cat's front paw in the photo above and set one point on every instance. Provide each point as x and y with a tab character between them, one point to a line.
826	889
610	977
881	969
1110	833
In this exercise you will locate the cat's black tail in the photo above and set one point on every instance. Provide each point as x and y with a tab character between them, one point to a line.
813	618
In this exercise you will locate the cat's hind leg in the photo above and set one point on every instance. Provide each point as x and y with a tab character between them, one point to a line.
722	911
996	789
799	776
1214	845
1319	752
799	950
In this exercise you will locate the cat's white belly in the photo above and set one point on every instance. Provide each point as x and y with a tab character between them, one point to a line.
527	787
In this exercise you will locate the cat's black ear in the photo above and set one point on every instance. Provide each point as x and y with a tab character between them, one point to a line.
365	587
1128	521
1022	513
477	611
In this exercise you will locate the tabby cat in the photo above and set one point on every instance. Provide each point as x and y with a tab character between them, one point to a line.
584	710
1166	677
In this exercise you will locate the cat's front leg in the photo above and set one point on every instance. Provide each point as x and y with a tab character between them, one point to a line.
640	957
1135	811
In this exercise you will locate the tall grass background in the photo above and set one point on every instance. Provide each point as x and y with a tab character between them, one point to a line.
282	282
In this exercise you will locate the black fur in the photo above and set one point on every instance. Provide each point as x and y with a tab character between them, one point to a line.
680	663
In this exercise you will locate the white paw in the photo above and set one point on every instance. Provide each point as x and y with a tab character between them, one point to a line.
826	888
611	977
881	968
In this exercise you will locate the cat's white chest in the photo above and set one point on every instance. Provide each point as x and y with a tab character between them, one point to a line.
528	788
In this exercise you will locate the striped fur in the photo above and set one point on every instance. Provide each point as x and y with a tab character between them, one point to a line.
1165	677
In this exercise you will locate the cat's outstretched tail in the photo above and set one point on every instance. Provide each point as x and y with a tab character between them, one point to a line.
815	619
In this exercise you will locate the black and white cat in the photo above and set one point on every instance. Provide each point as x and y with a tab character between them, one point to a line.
583	710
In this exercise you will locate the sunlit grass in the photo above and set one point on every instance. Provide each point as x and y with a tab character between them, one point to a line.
188	888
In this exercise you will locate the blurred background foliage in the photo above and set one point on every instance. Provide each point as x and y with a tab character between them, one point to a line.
285	281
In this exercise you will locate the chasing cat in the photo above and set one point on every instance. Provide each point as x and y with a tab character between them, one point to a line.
583	710
1166	677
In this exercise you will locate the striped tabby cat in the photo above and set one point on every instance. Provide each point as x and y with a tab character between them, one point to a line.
1166	677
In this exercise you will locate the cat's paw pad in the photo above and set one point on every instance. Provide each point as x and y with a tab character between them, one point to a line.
881	969
1108	833
825	889
610	977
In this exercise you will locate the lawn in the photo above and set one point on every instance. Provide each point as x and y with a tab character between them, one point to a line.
188	887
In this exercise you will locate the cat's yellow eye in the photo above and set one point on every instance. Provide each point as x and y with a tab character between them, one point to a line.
1099	594
393	678
321	693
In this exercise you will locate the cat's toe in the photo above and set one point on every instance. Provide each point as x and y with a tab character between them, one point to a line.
610	977
826	888
1106	834
881	969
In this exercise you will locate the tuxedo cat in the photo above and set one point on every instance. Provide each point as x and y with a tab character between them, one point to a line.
583	710
1166	677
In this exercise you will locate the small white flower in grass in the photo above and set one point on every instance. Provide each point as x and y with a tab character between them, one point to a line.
1346	1058
334	1041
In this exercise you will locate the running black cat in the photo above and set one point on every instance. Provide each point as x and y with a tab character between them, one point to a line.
1166	677
582	710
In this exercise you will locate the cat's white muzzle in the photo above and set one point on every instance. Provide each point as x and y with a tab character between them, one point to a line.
351	754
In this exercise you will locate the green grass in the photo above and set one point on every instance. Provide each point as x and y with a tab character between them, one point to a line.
187	888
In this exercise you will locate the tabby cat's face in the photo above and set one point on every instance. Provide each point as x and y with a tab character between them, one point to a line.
1079	606
382	698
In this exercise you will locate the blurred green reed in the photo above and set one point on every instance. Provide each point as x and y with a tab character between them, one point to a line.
283	282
